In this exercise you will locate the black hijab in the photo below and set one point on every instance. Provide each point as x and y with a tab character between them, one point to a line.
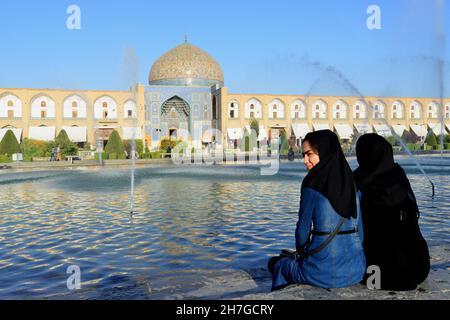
380	179
332	176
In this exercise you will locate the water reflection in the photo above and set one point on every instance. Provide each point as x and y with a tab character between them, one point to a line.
187	222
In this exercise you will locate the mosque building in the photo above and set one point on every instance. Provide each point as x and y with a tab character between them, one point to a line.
186	98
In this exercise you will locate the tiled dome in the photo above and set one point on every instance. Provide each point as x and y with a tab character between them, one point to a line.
186	65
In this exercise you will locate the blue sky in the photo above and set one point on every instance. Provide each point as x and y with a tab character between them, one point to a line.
285	46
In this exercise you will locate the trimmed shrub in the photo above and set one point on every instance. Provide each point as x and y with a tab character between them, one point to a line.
428	148
391	140
68	148
412	146
431	139
155	155
146	155
139	146
249	141
104	156
115	144
9	144
447	146
5	159
62	137
438	140
447	138
437	147
254	125
86	146
112	156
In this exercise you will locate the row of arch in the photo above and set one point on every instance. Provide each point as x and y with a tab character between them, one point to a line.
276	109
74	106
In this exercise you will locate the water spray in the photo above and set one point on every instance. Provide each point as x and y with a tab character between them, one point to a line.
352	88
132	68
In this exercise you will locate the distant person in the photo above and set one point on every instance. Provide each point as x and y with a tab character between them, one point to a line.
58	154
329	232
280	143
291	155
52	155
392	237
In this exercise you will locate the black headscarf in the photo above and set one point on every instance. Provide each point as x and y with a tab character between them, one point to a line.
332	176
380	179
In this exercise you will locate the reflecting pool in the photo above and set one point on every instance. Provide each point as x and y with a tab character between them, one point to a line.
189	223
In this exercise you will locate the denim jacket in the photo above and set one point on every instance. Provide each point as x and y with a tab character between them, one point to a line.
342	263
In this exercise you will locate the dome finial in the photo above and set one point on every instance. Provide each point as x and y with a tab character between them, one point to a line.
185	38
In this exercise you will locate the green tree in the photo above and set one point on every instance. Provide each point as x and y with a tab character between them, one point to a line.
447	138
439	137
249	141
284	142
139	144
115	144
254	125
9	144
33	148
68	148
431	139
391	140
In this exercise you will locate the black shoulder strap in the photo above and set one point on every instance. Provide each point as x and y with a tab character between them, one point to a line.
326	242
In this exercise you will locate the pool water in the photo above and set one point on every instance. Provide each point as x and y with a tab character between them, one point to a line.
189	223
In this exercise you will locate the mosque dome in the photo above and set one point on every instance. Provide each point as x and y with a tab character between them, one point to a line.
186	65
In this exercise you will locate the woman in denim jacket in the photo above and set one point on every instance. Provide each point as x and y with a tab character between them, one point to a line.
328	200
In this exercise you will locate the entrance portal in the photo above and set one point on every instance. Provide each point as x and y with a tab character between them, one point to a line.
175	114
173	134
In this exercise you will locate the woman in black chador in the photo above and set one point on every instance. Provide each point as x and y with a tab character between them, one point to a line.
392	238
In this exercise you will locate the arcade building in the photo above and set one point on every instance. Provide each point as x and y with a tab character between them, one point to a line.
186	99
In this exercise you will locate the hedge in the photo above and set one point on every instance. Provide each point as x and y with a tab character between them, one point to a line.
104	156
413	146
110	156
5	159
155	155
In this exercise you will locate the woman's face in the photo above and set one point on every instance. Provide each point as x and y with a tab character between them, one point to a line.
310	157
